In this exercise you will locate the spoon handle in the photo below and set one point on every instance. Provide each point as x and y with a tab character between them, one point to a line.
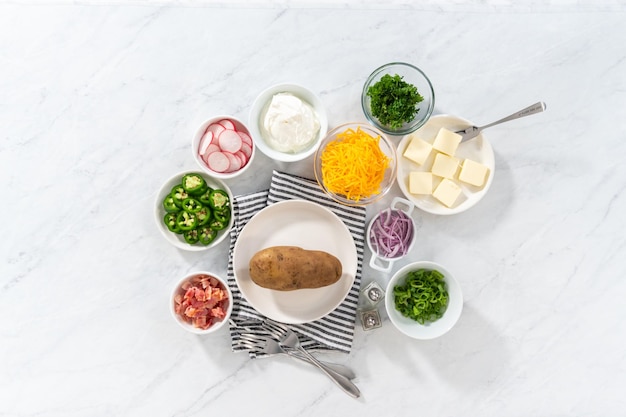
344	383
335	367
532	109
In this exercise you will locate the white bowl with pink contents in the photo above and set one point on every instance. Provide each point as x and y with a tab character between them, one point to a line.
201	302
223	147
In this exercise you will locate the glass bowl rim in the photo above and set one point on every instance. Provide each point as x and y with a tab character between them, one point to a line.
409	128
393	166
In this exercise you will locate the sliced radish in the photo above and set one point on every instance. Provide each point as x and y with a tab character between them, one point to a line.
229	141
210	149
218	162
206	140
242	157
228	124
246	149
235	163
245	138
216	129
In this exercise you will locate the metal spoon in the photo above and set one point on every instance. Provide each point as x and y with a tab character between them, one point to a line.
291	340
473	131
271	347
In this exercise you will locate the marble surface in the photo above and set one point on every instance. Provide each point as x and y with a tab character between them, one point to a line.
99	104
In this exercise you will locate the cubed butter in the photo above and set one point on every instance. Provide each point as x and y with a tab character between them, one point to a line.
447	141
447	192
445	166
473	173
417	150
420	182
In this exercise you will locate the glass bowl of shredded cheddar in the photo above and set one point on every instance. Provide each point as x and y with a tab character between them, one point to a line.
356	164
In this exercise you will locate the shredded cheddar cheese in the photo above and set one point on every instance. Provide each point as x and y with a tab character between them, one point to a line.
353	165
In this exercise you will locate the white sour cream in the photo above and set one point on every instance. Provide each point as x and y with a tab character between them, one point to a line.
289	124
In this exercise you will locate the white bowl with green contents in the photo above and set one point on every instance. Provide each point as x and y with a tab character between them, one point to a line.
432	326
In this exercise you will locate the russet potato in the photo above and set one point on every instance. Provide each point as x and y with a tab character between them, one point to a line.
287	268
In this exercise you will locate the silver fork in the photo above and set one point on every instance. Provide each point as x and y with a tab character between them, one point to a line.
290	340
271	347
473	131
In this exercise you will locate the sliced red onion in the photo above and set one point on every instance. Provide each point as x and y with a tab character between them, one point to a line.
391	233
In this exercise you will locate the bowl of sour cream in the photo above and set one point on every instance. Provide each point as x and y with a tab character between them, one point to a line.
287	122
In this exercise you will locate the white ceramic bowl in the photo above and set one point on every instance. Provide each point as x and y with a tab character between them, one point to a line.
383	263
429	330
477	149
227	306
159	212
258	110
197	144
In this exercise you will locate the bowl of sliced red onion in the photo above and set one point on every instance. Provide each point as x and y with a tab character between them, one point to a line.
391	234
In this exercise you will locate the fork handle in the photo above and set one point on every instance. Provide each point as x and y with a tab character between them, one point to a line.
344	383
532	109
336	367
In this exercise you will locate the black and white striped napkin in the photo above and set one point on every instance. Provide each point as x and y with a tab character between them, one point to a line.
333	332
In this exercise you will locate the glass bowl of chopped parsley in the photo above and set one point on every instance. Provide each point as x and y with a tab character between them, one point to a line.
423	300
398	98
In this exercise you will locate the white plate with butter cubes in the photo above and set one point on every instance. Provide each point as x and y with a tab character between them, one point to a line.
439	174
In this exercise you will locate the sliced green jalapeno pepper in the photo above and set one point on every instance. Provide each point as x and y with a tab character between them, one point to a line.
191	236
194	184
205	196
191	205
170	222
222	215
217	224
218	200
206	235
179	195
169	205
186	221
203	215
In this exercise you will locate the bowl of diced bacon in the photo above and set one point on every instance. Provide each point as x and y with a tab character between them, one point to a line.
223	147
201	302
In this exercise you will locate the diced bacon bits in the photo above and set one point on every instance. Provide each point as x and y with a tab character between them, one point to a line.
201	301
224	148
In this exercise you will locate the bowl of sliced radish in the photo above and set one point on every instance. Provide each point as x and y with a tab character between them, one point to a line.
391	234
223	147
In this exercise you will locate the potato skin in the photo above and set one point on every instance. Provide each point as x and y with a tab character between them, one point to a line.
288	268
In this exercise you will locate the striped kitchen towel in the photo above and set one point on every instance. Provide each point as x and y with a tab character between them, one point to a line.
333	332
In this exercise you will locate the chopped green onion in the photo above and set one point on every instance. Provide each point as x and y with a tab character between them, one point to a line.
423	297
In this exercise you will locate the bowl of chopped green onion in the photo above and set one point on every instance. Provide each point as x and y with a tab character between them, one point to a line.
398	98
423	300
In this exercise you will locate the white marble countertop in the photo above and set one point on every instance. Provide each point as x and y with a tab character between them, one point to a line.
99	104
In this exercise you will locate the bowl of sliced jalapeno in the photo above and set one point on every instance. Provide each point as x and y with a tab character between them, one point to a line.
194	210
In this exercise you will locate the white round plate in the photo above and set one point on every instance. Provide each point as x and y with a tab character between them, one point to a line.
309	226
477	149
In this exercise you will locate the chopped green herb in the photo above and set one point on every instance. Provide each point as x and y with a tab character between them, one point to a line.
423	297
394	101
